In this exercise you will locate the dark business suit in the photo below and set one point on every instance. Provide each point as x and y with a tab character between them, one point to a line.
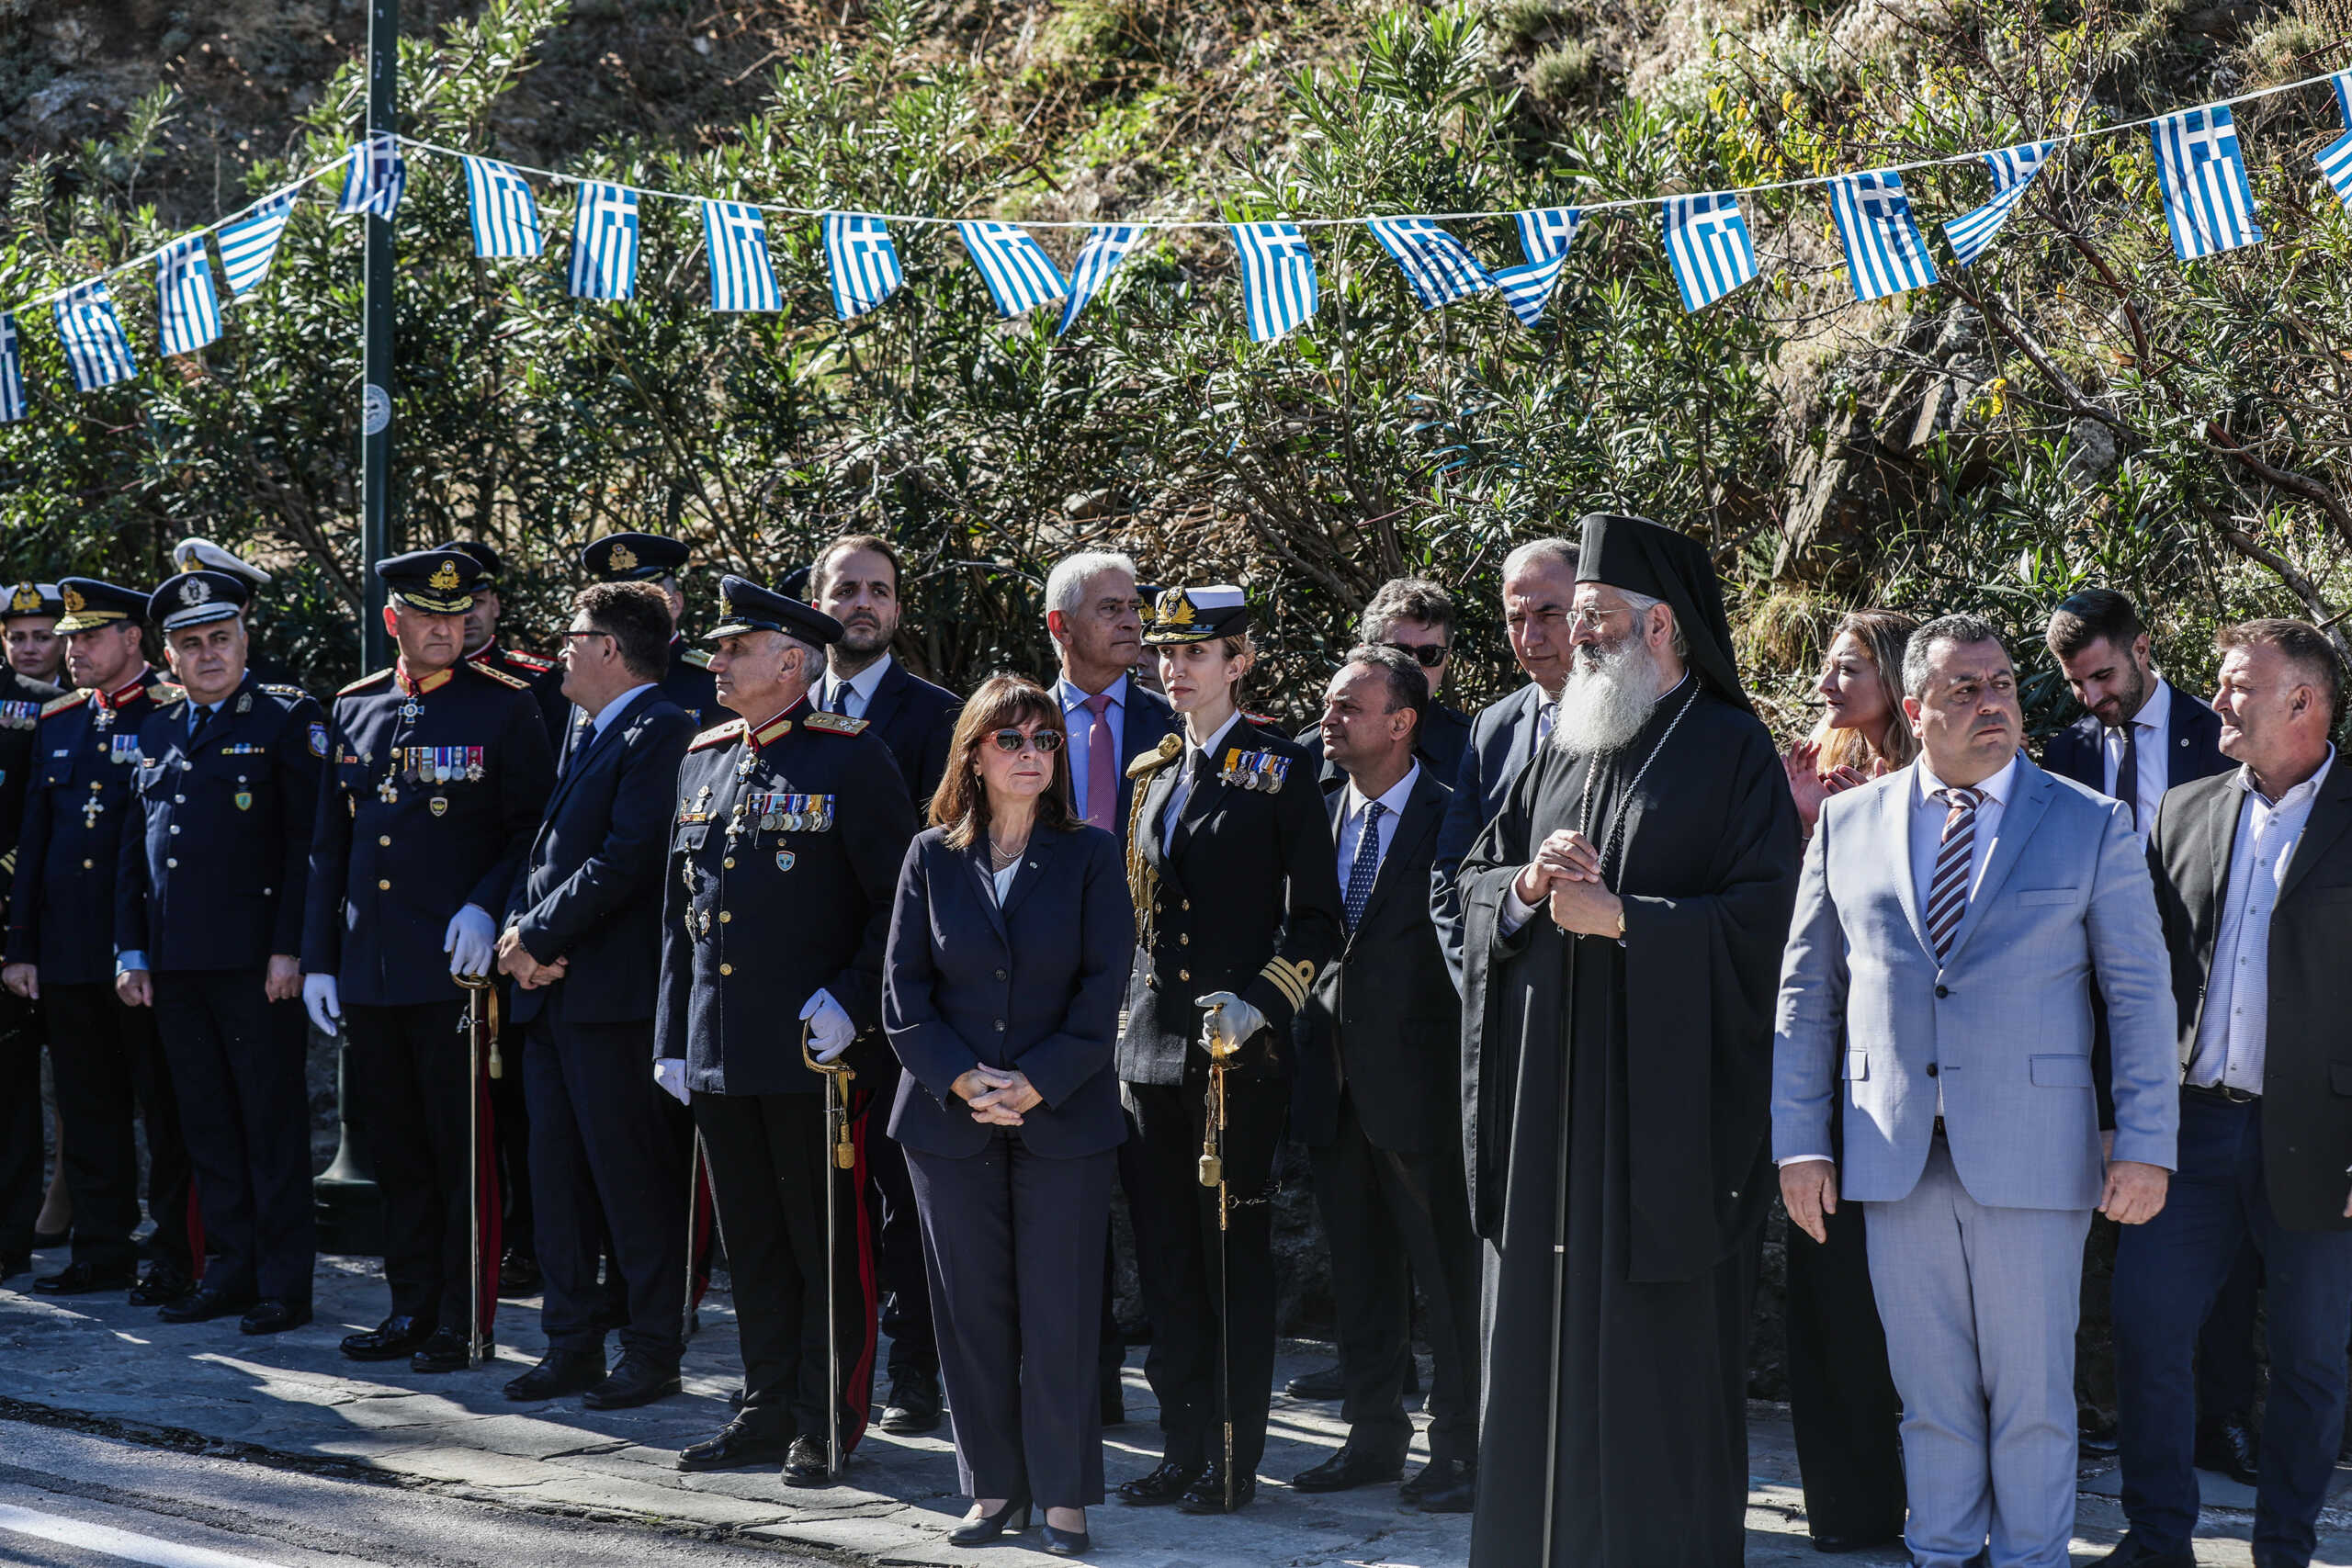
2271	1167
602	1152
1503	739
1379	1063
1015	1217
1445	736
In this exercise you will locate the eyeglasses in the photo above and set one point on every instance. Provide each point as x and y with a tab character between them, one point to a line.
1428	655
1591	617
589	632
1047	741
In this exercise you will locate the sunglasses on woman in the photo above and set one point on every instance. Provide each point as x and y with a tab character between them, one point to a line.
1428	655
1046	740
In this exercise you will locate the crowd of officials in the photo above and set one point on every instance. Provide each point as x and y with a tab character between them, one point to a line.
885	991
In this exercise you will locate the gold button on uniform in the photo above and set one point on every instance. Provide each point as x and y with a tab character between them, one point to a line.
383	886
729	863
1184	973
727	969
385	840
1183	939
89	865
724	917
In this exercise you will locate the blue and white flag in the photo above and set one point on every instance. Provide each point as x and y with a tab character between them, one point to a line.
861	262
95	349
2013	169
505	217
1020	274
12	372
603	242
2209	205
1547	232
1278	288
184	296
2335	163
742	275
2342	83
1544	235
1708	247
249	244
1885	253
1106	246
1434	262
374	181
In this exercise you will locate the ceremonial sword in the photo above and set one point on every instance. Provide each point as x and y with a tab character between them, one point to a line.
479	1000
1213	1175
842	1156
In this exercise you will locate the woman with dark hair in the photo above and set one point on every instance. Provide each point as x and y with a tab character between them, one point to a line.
1862	732
1009	950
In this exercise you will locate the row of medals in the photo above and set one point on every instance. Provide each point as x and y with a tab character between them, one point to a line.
1260	771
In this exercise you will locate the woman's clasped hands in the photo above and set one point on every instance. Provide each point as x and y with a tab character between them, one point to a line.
997	1096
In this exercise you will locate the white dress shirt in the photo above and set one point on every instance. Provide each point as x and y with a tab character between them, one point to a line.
2153	722
861	689
1183	790
1079	721
1352	808
2233	1033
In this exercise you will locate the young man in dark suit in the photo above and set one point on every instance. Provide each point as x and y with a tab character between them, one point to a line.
583	941
1418	618
2252	871
1379	1070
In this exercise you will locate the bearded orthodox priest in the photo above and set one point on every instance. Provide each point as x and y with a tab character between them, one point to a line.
1625	913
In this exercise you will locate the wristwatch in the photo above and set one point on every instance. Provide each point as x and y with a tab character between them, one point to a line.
1620	920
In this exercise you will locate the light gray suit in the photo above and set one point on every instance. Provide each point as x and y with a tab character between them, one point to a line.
1976	1227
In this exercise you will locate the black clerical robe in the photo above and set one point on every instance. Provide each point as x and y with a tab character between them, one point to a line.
1661	1120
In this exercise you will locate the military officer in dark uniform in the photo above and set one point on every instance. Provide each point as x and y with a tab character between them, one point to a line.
207	931
437	770
195	554
658	559
783	859
29	631
1237	912
484	646
31	608
109	1065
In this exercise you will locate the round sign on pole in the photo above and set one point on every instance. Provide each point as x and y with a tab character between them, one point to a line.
375	411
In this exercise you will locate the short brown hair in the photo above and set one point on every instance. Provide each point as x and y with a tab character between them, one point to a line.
959	803
2093	615
2302	645
636	616
848	542
1408	598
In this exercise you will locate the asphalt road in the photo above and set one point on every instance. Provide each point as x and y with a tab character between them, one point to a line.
68	1500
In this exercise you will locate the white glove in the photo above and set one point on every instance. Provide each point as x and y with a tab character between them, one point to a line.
322	1001
469	942
669	1073
1234	1019
830	1029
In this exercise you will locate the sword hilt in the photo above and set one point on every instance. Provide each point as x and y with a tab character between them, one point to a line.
838	1076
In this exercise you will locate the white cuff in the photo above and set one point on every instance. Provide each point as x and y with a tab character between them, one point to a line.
1800	1159
1517	912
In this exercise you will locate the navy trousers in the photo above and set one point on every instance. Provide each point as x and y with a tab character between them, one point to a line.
2168	1274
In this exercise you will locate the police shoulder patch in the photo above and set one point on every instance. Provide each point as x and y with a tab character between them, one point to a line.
1170	747
530	661
380	677
720	735
695	657
501	676
70	700
834	723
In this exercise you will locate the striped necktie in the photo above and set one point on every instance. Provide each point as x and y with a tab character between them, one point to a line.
1948	888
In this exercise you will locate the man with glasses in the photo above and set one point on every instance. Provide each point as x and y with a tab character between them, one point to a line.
1417	617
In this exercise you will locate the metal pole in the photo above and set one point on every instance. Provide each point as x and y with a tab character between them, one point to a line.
376	393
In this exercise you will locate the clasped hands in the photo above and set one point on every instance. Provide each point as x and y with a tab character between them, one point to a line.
1566	872
516	959
997	1096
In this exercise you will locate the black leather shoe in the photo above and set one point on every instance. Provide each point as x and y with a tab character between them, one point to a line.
2133	1552
1323	1383
1350	1468
1830	1543
393	1339
1165	1485
914	1404
203	1307
518	1274
805	1466
1441	1486
273	1316
160	1286
1115	1401
445	1351
1068	1543
737	1447
1206	1495
2225	1445
637	1379
82	1279
1014	1515
14	1263
559	1373
2096	1435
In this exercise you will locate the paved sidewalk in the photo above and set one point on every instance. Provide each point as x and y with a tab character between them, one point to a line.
295	1396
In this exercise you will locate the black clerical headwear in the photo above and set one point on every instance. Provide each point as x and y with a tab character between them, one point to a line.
1634	555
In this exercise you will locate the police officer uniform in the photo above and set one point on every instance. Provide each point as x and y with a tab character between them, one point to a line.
433	786
21	700
195	554
650	557
107	1060
209	888
783	859
1229	853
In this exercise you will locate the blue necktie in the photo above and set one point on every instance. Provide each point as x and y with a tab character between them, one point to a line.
1366	867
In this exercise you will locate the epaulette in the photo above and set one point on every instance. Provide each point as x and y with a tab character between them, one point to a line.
164	694
695	657
501	676
834	723
1170	748
771	730
720	736
291	693
59	705
365	682
530	661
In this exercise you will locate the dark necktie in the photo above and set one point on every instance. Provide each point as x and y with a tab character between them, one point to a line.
201	721
1947	887
839	701
2127	774
1366	867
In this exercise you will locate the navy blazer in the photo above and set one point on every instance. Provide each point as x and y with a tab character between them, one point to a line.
1035	984
2192	750
916	720
591	889
1503	742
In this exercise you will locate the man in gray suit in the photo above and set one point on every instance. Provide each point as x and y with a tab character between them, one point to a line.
1950	924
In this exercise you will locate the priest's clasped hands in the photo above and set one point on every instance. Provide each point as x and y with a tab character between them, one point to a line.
1566	872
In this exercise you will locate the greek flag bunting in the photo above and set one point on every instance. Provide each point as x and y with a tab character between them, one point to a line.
742	276
96	350
2342	83
1020	274
12	373
1433	262
604	243
1885	253
1106	246
1544	235
374	181
505	219
1708	247
861	262
2335	162
249	244
1278	288
184	296
2209	205
2013	169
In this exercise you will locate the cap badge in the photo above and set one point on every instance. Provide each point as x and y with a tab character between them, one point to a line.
27	597
74	602
195	591
726	605
622	559
445	580
1175	606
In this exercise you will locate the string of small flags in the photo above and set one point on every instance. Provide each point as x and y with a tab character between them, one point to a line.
2208	205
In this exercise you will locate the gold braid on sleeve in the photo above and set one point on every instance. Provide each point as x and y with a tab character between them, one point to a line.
1142	882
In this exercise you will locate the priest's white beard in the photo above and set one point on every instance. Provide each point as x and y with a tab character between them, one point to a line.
1608	697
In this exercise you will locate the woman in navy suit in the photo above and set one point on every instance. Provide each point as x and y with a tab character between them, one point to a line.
1009	950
